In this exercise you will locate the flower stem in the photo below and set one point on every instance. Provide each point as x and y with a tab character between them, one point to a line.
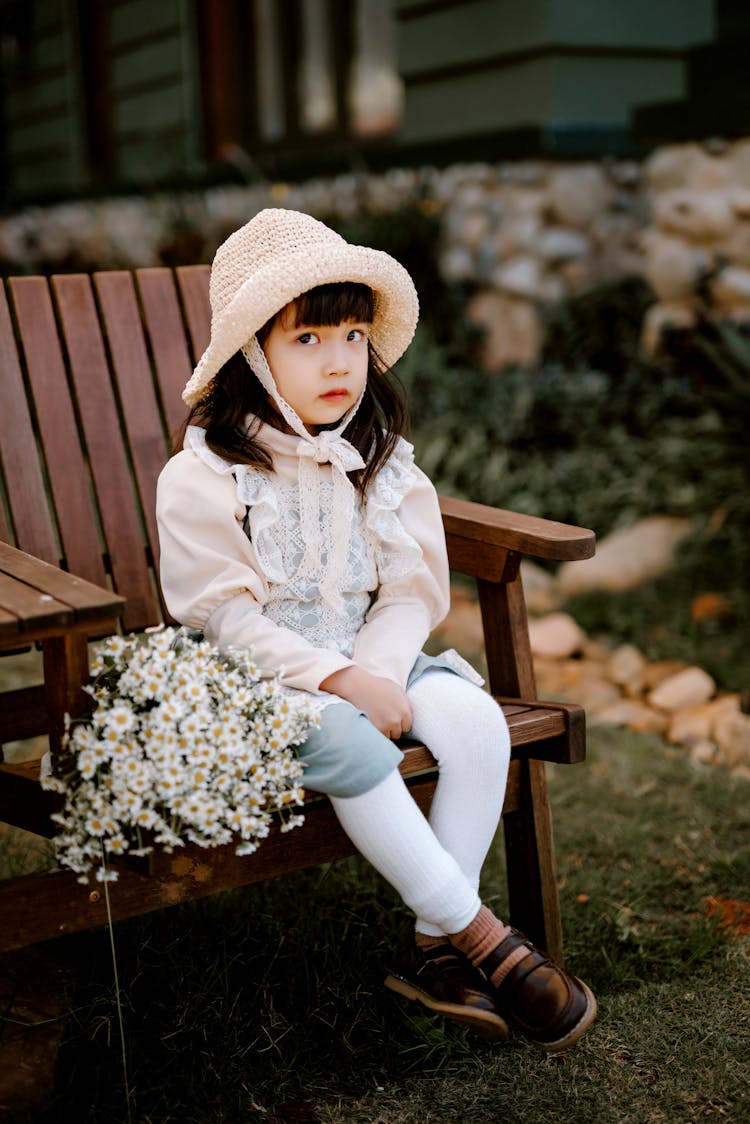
117	993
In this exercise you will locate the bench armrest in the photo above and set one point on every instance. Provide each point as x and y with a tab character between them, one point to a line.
522	534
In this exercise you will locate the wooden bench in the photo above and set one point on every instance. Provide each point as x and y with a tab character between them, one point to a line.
91	370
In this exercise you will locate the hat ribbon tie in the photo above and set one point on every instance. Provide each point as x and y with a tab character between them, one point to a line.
327	448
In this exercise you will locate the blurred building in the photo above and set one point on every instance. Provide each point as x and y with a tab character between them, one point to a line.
115	95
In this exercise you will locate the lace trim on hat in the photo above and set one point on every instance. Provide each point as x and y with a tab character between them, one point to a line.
255	490
397	552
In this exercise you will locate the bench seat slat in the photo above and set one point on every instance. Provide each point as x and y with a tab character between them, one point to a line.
20	794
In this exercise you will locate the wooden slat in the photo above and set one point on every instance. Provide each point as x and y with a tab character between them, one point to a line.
90	602
192	281
69	479
60	437
24	483
27	604
23	713
525	534
23	802
510	668
531	725
5	535
168	344
113	480
132	370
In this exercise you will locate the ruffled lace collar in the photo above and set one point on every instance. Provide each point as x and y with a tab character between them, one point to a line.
397	552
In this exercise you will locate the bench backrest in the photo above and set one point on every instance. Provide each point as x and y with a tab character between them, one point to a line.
92	372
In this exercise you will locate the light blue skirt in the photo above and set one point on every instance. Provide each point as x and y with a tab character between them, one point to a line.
346	755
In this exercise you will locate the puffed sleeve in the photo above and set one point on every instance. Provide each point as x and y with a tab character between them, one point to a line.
210	575
414	594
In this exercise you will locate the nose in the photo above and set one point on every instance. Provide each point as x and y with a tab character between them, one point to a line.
336	358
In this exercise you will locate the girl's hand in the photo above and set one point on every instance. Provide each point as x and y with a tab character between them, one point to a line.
382	700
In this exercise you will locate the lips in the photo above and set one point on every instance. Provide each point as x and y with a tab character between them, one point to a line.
335	395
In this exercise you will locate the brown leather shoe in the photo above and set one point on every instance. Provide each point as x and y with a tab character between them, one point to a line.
444	981
552	1008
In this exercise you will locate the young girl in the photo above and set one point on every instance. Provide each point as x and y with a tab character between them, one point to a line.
295	522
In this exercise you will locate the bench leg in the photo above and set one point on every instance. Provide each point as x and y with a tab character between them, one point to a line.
66	669
530	860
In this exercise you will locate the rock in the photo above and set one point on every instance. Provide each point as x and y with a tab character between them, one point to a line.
739	162
627	558
695	724
660	316
625	667
595	651
556	636
517	234
456	264
731	286
696	215
539	587
738	313
690	726
656	672
561	243
551	678
578	194
673	266
576	275
520	276
595	694
704	753
473	228
736	246
513	329
633	714
732	735
671	166
711	173
685	689
462	628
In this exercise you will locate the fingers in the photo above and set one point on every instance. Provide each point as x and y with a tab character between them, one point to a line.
399	725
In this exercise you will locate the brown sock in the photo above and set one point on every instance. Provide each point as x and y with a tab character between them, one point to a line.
481	936
425	942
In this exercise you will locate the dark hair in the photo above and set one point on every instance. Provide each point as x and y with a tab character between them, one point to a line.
234	392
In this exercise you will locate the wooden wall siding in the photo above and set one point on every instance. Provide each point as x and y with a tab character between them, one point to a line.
42	104
484	65
149	87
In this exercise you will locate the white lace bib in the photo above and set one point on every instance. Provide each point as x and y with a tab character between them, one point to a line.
298	602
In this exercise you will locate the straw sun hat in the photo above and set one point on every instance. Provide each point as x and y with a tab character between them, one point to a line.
277	256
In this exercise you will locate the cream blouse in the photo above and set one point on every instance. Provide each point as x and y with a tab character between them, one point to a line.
237	565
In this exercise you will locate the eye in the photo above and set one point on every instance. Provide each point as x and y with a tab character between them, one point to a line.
307	337
356	335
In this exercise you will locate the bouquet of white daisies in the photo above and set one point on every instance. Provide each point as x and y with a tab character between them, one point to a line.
186	743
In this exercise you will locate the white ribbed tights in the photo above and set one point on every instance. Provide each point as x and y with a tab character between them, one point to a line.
435	865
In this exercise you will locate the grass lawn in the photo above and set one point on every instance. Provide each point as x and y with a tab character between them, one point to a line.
267	1004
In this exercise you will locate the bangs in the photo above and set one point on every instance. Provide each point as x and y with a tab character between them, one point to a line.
328	305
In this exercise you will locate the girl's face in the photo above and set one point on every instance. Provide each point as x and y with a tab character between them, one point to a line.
320	371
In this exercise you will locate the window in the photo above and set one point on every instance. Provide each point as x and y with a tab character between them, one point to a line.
297	75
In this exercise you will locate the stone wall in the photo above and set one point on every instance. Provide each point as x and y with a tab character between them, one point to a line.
524	234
